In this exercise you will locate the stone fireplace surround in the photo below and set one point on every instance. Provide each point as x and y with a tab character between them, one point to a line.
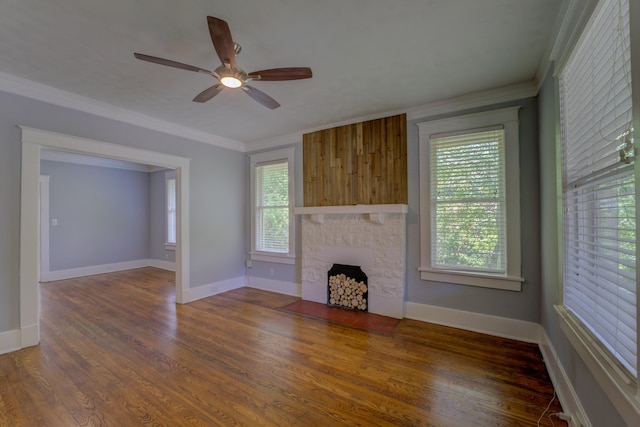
370	236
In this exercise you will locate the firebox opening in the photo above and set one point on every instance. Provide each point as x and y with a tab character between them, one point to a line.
347	287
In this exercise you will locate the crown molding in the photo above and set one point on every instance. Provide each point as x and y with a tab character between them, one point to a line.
450	105
51	95
558	32
44	93
572	18
475	100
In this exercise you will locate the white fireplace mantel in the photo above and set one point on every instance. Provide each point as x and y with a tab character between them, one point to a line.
376	212
351	209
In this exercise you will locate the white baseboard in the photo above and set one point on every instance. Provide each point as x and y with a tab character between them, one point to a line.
162	264
204	291
287	288
491	325
95	269
106	268
566	393
10	341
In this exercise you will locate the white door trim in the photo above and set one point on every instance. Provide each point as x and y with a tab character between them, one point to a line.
44	228
35	139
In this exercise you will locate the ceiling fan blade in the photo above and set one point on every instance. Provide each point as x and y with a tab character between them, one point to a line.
279	74
170	63
261	97
209	93
222	41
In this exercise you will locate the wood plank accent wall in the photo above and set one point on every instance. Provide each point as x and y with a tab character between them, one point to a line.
362	163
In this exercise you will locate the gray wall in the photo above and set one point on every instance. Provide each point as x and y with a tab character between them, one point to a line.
102	214
216	194
523	305
597	405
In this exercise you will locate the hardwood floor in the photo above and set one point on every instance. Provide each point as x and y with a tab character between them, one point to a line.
117	351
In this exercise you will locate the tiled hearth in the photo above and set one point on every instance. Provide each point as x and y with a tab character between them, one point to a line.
370	236
357	319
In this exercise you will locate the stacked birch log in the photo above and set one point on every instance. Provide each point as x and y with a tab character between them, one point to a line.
347	292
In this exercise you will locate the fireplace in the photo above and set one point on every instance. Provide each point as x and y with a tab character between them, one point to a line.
370	236
347	287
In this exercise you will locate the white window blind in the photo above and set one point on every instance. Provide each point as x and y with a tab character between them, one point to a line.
272	206
468	218
171	210
599	183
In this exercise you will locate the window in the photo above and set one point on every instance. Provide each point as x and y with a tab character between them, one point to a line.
599	212
170	180
272	206
467	201
470	205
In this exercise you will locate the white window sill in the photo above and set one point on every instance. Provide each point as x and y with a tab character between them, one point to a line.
508	283
272	257
170	246
615	382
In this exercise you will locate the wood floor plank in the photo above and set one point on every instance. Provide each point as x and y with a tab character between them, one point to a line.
116	350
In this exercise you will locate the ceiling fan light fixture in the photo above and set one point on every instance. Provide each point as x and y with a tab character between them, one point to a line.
228	74
231	82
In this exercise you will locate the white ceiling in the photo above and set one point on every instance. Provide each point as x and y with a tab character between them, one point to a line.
368	56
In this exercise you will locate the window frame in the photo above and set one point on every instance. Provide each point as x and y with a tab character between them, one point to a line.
622	388
285	154
168	176
508	119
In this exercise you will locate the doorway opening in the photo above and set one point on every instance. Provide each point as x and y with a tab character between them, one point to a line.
33	141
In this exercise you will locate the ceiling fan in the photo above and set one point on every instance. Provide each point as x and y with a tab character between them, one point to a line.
229	74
